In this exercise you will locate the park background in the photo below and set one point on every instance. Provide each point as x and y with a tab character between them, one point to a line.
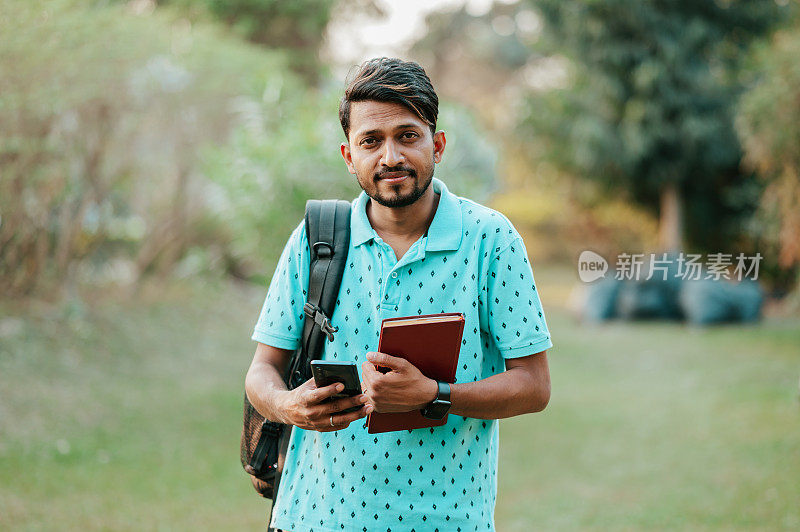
155	155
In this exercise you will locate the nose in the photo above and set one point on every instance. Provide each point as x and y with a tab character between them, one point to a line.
392	155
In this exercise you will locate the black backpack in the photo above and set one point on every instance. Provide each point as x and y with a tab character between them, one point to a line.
264	443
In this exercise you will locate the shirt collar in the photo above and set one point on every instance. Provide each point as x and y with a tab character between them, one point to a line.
444	232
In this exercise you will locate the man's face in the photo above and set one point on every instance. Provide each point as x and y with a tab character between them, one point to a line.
391	151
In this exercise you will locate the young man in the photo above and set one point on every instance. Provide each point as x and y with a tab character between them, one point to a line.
415	249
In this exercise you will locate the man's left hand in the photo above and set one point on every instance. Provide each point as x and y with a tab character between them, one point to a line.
402	389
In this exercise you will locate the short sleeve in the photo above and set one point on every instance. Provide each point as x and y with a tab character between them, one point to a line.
516	318
280	323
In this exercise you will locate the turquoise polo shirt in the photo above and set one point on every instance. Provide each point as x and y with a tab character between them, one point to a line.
473	261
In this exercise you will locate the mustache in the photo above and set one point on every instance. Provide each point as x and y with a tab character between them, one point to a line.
382	173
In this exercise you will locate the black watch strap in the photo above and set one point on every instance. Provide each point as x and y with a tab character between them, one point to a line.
439	407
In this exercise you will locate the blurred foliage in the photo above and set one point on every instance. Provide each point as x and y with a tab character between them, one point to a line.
485	60
651	99
597	106
103	111
558	224
296	27
114	116
769	124
475	58
469	165
283	151
299	24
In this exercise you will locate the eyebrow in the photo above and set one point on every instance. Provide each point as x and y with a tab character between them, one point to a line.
398	128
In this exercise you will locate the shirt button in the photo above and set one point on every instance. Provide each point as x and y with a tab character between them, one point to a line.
394	275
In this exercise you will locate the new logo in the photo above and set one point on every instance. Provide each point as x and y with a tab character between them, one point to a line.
591	266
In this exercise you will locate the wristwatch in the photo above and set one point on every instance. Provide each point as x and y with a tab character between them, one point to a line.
439	407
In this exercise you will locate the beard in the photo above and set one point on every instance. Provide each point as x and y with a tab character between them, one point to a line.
396	197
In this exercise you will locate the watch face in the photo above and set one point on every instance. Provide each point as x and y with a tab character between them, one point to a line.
437	409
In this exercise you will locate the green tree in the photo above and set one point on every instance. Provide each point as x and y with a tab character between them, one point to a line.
296	27
769	125
649	111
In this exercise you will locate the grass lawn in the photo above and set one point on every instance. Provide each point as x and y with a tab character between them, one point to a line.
124	414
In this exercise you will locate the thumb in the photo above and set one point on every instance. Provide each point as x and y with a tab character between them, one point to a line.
388	361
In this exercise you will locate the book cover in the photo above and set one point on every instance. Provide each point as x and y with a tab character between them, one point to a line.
432	343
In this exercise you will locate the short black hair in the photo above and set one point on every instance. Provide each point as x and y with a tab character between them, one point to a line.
385	79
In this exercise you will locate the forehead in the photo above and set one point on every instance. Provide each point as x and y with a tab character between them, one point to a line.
381	116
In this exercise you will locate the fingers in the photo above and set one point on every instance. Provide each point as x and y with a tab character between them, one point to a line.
373	380
314	396
368	374
342	421
387	361
304	389
343	404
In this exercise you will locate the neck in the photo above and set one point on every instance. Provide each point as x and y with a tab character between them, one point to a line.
409	222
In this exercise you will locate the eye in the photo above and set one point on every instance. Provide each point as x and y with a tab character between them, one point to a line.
368	142
409	135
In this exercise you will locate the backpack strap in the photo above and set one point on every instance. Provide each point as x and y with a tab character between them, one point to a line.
328	234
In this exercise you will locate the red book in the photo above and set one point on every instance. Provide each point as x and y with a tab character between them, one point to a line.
432	343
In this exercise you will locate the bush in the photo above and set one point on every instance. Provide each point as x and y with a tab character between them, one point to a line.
103	112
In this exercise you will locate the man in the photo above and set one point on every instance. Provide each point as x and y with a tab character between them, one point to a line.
415	249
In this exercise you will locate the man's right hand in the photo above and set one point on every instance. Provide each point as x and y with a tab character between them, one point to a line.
305	407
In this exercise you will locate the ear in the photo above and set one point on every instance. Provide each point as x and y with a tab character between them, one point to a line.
348	158
439	142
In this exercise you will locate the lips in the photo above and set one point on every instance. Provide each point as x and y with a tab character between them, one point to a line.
395	177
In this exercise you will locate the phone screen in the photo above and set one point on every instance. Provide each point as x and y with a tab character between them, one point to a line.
329	372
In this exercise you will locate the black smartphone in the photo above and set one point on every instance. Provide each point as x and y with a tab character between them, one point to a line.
327	372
